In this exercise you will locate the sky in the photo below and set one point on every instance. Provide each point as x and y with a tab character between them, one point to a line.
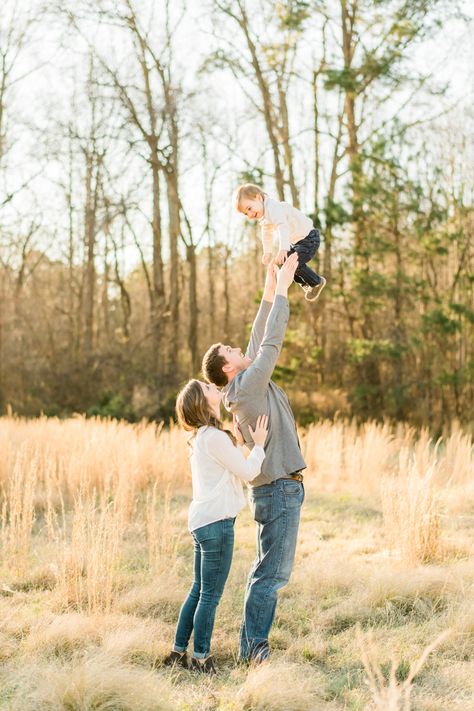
43	91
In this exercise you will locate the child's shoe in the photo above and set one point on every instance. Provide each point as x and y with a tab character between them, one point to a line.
311	293
204	666
176	659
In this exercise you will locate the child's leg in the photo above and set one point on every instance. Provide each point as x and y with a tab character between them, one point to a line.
306	249
217	546
186	615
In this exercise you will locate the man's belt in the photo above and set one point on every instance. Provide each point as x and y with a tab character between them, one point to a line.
297	476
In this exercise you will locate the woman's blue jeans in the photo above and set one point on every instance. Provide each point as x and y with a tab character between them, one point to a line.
213	549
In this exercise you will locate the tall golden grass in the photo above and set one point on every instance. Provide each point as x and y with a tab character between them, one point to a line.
83	482
18	507
93	514
392	694
411	509
89	484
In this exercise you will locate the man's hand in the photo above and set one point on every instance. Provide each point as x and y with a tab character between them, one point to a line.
270	282
286	275
267	258
281	256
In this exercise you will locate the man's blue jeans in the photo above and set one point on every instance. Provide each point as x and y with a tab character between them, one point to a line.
276	508
213	548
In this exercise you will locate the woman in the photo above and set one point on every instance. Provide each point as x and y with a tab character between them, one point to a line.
217	466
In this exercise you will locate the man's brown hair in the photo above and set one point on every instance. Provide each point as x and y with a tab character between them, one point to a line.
212	365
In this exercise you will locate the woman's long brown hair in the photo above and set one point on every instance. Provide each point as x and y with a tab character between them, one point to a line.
193	411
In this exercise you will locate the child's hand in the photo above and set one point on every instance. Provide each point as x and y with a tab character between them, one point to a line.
267	258
281	256
286	274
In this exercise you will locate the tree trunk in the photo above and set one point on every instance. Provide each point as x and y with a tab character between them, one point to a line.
2	327
211	289
348	48
226	329
271	123
73	313
157	306
105	295
193	308
317	218
125	301
90	217
287	152
398	310
174	295
325	322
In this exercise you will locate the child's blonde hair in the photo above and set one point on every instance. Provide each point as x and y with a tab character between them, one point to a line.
247	190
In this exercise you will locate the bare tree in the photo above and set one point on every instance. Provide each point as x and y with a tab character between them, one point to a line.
16	240
149	98
268	62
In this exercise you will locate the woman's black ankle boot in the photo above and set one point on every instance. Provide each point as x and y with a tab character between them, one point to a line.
205	666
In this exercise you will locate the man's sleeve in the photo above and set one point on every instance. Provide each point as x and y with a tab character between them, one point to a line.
258	329
257	376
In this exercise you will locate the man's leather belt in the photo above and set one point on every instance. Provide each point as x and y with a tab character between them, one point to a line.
297	476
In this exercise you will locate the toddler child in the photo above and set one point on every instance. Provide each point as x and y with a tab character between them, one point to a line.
296	233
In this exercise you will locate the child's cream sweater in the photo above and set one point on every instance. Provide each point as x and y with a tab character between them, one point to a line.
289	222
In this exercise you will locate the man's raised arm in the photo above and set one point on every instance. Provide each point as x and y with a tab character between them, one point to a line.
258	328
258	374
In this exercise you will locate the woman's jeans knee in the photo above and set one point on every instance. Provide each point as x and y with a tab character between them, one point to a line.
213	549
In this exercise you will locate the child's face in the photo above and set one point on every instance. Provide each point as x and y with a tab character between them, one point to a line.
252	208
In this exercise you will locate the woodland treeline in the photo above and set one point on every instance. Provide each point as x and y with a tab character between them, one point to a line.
124	127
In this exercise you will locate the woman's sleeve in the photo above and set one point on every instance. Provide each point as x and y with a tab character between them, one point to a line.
220	448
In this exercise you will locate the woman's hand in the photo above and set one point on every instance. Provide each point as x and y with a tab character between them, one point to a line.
259	434
267	258
281	256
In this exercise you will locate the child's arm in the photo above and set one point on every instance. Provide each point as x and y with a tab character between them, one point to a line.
278	216
267	241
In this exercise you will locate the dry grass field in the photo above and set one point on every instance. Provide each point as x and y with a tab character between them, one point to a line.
96	560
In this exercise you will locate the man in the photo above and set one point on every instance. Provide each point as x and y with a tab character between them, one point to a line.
277	494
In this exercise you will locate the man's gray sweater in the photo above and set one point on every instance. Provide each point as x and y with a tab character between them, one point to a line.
252	393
